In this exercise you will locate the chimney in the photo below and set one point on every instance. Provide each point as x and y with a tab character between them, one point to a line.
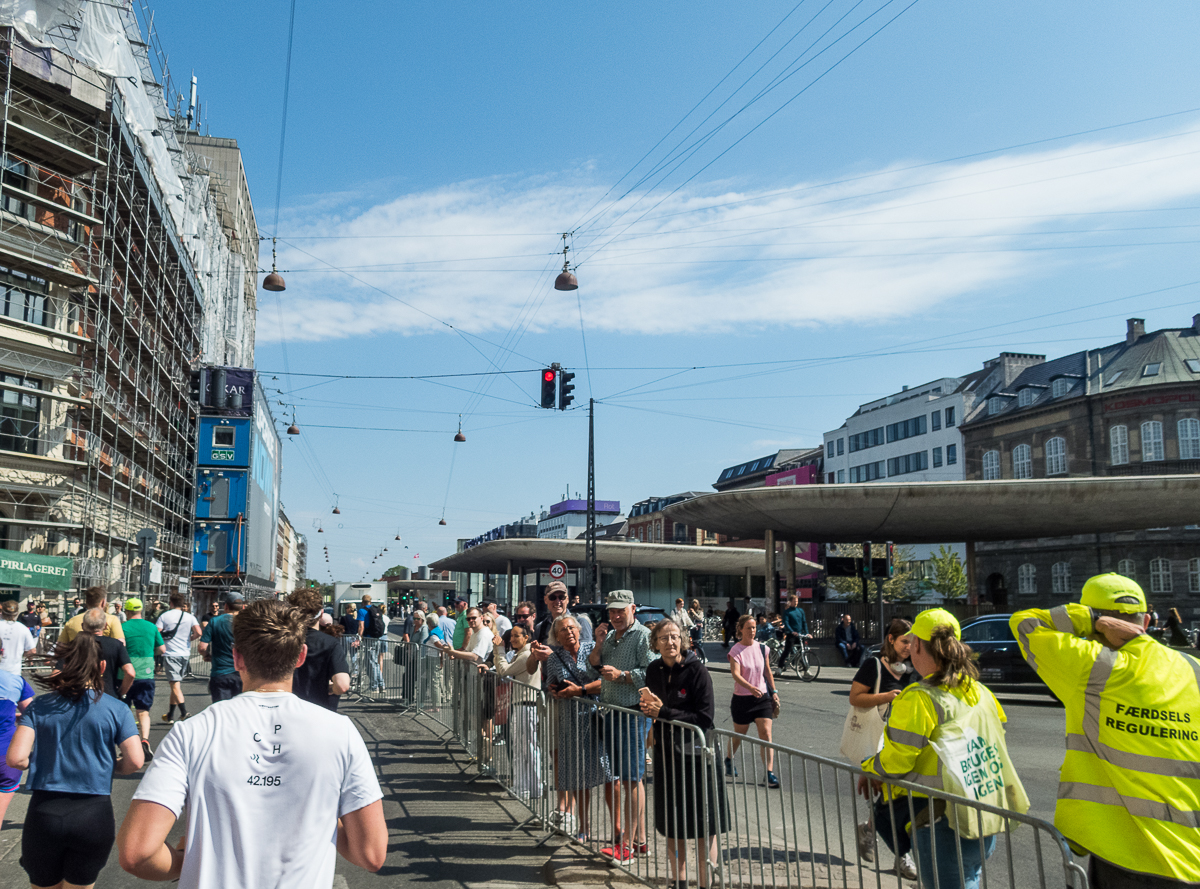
1196	323
1134	328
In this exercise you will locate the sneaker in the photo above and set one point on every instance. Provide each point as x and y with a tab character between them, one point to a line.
864	834
170	720
730	768
641	849
772	780
147	755
556	817
905	867
619	852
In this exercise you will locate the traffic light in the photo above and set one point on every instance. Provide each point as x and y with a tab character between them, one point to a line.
891	564
866	559
548	377
196	386
565	388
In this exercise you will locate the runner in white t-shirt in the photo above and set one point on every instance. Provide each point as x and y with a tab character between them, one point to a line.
15	639
178	628
275	787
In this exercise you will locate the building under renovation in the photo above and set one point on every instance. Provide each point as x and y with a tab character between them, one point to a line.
128	256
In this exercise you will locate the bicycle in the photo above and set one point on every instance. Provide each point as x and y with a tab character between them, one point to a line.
800	660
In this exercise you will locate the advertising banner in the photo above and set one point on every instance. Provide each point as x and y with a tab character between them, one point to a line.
41	572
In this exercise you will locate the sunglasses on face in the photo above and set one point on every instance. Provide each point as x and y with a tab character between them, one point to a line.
557	597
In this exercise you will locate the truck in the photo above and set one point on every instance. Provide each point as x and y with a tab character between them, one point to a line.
353	592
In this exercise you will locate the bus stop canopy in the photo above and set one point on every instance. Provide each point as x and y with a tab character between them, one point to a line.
496	556
939	512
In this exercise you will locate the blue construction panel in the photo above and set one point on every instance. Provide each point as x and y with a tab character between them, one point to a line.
224	441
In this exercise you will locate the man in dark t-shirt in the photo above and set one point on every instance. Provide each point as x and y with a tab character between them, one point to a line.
324	675
216	645
118	669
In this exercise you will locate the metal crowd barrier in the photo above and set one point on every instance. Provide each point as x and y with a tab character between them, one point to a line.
198	667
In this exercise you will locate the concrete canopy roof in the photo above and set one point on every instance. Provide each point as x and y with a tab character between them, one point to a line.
941	512
492	557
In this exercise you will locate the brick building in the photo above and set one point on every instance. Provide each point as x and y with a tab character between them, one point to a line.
1129	408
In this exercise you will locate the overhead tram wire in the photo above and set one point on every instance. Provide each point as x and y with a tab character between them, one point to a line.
761	123
287	86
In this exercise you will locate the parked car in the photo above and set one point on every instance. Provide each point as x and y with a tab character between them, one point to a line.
1000	661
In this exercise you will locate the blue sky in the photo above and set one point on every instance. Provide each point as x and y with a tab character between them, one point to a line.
973	178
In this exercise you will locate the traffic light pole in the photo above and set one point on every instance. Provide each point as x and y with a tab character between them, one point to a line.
589	570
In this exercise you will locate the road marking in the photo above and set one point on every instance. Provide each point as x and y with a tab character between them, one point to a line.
339	882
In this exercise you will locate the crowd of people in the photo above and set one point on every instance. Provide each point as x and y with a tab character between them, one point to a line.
630	704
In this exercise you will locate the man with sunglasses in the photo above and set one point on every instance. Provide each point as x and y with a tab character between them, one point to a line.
556	607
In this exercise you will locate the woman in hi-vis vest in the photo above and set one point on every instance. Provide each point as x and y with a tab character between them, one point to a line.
952	717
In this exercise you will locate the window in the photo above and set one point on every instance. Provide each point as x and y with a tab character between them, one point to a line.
1151	370
995	404
1112	378
991	465
1022	458
841	446
862	440
908	463
951	451
20	413
841	477
906	429
1027	579
1128	568
949	417
1056	456
829	449
868	472
1060	578
831	478
1160	575
681	534
23	298
16	174
1194	575
935	421
1193	365
1152	441
937	455
1118	443
222	436
1060	387
1026	396
1189	438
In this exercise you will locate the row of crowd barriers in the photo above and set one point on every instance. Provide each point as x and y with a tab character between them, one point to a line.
574	765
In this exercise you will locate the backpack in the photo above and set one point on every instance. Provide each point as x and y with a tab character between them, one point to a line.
375	627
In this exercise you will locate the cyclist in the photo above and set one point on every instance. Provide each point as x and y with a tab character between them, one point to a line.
795	626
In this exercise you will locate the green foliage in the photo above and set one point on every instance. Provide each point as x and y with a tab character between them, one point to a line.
394	571
949	575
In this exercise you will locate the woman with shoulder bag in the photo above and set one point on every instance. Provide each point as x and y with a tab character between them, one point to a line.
939	727
755	699
875	685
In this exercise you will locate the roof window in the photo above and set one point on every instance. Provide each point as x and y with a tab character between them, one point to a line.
1193	364
1112	379
1151	370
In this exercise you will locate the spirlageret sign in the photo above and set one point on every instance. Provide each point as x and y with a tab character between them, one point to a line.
30	570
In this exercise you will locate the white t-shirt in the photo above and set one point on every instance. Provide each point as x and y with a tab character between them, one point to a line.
15	640
503	624
481	643
181	642
265	776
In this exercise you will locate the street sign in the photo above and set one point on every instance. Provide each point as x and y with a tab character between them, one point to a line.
558	570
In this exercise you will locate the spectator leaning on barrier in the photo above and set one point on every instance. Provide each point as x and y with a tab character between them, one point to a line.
178	628
460	623
523	710
621	657
95	597
143	641
923	744
15	639
556	607
432	675
275	787
1129	783
216	646
501	623
689	797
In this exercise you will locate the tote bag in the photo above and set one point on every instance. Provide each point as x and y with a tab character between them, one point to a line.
862	732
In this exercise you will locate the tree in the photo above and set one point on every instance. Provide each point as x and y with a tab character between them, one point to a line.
395	571
949	575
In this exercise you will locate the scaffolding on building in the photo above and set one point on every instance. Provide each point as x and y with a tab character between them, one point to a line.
120	271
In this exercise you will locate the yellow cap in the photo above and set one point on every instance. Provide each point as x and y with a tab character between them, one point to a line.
927	621
1113	592
133	604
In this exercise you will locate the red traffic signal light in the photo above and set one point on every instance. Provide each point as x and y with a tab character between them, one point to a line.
549	376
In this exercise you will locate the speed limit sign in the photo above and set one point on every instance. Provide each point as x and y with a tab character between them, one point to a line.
558	570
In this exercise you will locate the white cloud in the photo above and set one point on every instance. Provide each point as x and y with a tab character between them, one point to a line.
887	243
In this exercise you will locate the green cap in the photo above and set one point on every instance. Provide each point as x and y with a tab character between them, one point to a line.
133	604
1113	592
927	621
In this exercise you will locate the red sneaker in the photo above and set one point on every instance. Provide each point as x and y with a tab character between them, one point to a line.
619	852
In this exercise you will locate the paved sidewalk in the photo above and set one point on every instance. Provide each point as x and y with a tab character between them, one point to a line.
445	833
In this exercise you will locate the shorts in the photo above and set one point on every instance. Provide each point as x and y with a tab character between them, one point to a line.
141	694
224	687
67	836
746	708
625	740
176	666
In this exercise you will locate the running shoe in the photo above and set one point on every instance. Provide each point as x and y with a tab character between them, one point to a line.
147	755
619	852
864	834
641	849
730	768
169	720
905	867
772	780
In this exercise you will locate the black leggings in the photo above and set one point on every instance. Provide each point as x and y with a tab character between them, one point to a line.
67	836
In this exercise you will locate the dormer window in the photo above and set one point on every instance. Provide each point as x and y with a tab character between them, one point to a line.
1026	397
995	404
1112	379
1151	370
1060	387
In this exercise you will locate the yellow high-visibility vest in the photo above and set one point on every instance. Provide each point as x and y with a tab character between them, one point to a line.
1129	788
